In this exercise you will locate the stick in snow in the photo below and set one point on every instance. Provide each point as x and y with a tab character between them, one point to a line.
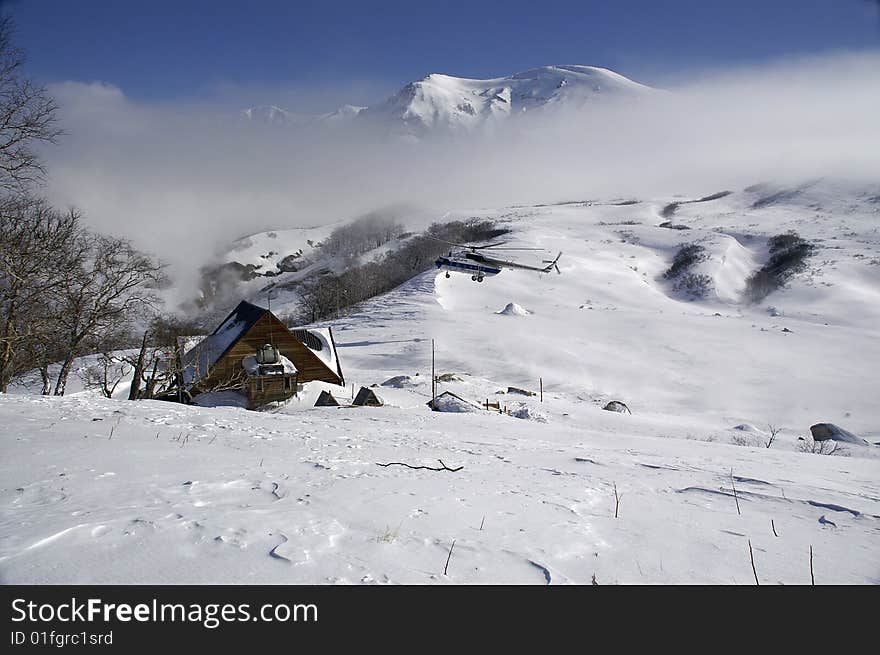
752	557
773	525
429	468
735	497
448	557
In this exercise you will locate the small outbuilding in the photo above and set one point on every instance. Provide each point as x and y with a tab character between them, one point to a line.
326	399
367	397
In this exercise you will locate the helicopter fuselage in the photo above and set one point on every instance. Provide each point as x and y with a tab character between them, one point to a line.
476	269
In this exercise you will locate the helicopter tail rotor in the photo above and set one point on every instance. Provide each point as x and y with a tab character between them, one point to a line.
551	264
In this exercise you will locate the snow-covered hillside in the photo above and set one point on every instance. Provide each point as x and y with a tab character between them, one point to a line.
444	103
98	490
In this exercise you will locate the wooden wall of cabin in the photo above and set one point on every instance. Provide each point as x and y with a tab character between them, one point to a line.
269	329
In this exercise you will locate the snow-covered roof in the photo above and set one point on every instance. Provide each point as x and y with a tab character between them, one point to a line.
320	341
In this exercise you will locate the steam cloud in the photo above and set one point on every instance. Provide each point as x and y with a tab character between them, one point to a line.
182	181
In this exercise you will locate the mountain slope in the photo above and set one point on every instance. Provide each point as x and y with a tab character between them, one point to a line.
95	487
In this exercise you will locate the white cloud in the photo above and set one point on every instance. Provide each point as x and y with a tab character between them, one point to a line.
182	180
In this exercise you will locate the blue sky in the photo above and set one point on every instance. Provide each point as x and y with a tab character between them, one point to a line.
269	50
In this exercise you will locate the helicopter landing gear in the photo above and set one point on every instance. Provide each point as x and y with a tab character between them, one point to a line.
447	273
480	278
473	278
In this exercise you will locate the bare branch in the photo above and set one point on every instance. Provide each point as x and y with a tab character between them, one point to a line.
429	468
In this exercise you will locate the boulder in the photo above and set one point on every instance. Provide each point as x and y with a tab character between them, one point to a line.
831	432
617	406
521	392
289	264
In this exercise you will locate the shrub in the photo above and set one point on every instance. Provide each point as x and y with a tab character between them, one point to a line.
695	284
688	255
788	256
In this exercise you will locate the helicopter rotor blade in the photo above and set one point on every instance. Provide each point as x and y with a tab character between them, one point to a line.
451	243
518	249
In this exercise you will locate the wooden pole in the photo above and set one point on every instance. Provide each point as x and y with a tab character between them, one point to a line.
812	577
752	557
448	557
733	484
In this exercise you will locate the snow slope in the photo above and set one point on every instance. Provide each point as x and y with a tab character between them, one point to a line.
211	495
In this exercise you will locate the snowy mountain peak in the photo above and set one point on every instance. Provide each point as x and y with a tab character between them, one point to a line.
457	103
268	114
445	103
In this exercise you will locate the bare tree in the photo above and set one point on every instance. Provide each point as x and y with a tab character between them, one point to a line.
106	373
111	287
773	432
38	246
27	116
826	447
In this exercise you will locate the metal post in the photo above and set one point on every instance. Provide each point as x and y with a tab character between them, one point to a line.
433	378
541	383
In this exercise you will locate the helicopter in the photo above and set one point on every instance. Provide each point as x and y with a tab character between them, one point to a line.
469	260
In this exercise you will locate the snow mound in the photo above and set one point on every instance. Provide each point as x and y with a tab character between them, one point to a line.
512	309
524	411
745	427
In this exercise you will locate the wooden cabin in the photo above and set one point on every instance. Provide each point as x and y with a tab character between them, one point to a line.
253	353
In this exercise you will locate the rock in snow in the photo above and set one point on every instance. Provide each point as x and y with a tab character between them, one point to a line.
617	406
399	382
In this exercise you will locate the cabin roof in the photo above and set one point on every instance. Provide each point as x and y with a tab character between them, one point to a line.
211	349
